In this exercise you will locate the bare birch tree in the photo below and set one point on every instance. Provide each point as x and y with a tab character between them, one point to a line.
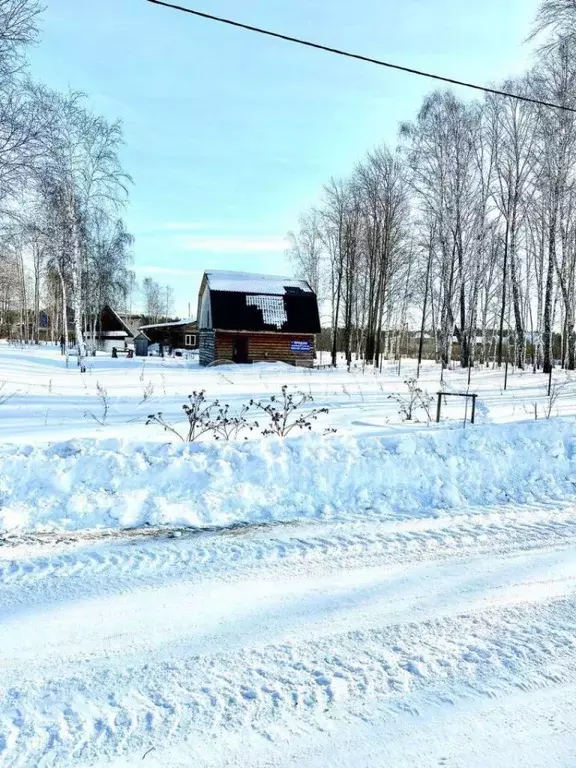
82	161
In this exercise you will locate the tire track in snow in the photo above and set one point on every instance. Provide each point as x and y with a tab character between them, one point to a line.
63	720
207	555
103	705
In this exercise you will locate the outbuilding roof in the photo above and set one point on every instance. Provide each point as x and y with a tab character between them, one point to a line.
130	329
172	324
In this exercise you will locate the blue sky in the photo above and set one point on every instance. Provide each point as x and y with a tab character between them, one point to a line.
229	135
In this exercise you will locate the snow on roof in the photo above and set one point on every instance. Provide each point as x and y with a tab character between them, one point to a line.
247	282
184	321
272	308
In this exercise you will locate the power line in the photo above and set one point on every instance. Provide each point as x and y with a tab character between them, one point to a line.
360	57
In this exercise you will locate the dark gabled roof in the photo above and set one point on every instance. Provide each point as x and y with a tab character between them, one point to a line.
243	301
291	313
130	329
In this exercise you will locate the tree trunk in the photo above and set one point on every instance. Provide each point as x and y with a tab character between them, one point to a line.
503	306
520	335
548	362
424	308
36	257
335	323
77	306
64	312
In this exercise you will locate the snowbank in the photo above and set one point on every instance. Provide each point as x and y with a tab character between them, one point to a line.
110	484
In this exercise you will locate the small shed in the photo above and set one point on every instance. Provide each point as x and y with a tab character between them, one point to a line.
141	342
246	318
176	334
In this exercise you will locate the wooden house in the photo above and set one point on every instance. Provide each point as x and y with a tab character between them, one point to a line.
178	334
247	318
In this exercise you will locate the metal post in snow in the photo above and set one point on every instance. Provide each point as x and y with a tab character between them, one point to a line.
550	382
399	364
469	372
506	375
473	416
439	407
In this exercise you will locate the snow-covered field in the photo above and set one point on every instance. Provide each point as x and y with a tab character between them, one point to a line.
53	403
394	594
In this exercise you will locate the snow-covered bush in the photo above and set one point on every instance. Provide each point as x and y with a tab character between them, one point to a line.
284	413
5	396
207	418
104	400
147	391
416	400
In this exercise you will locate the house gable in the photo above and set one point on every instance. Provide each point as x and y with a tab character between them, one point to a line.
239	301
260	312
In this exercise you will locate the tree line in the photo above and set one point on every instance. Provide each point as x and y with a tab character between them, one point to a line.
65	251
465	233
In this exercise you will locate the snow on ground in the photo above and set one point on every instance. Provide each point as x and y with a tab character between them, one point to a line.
410	602
360	644
88	484
74	467
52	403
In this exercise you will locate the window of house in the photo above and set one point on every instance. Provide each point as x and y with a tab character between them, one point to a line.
190	340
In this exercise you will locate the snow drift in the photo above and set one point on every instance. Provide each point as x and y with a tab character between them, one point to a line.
86	484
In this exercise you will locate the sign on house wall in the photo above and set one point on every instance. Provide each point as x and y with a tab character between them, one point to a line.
300	346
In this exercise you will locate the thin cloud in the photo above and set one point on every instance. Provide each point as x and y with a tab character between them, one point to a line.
154	269
160	228
185	226
218	244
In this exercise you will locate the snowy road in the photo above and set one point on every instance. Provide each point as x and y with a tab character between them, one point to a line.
447	640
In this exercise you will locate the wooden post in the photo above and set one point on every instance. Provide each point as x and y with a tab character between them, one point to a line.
469	372
550	382
439	407
473	417
506	375
399	364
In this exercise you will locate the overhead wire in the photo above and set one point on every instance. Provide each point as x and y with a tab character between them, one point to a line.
361	57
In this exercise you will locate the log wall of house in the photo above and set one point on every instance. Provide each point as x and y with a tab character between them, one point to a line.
266	346
207	346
